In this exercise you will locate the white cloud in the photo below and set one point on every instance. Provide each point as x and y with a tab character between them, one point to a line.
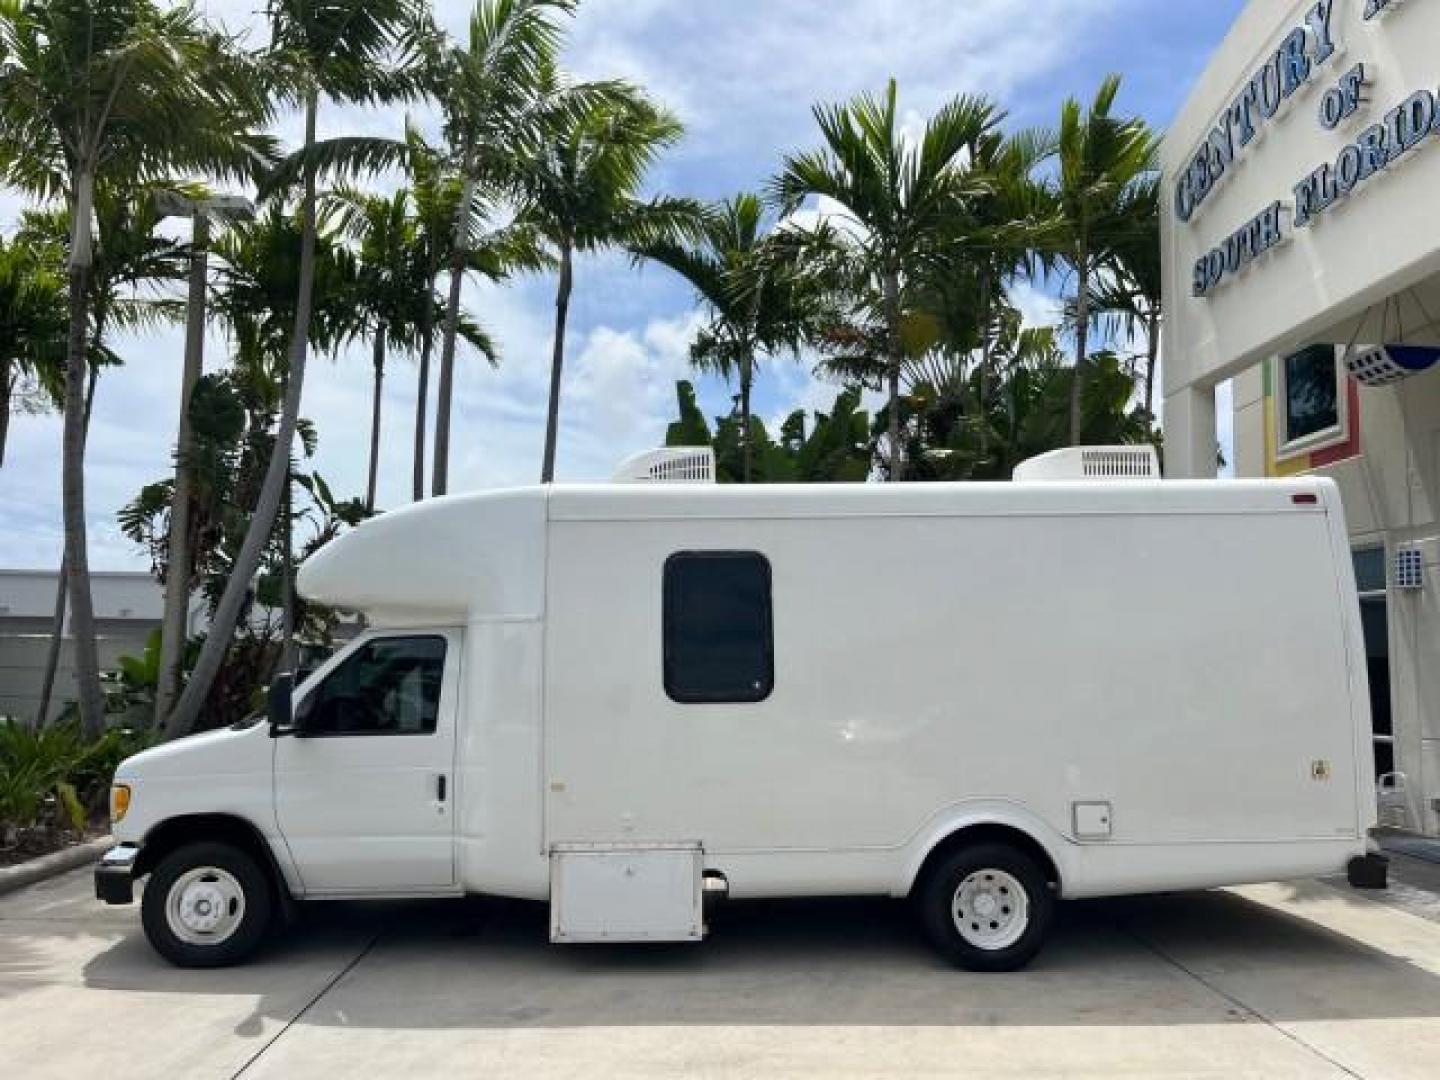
768	62
799	387
1037	307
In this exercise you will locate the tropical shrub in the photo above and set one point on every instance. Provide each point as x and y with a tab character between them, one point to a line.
55	778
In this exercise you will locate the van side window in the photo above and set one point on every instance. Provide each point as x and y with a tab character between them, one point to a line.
391	686
718	627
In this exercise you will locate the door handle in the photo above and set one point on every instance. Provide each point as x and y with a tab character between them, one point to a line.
440	787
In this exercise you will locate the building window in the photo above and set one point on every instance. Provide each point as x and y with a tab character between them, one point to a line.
1375	619
719	641
1311	407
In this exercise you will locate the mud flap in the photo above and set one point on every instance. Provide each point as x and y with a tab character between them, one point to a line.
1368	871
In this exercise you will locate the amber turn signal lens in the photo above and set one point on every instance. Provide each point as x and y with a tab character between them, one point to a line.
119	802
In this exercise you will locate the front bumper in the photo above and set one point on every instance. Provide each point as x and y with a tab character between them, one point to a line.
115	875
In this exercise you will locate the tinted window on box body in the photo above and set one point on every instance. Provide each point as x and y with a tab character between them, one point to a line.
719	644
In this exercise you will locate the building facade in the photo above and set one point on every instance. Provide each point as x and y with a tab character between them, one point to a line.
128	608
1302	261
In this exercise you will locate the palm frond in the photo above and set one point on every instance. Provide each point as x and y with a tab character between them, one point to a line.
340	159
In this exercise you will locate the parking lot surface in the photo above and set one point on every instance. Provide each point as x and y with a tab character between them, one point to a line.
1289	980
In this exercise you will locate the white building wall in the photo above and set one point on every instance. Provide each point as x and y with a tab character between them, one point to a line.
128	608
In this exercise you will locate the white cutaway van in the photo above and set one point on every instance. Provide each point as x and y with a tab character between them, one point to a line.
617	698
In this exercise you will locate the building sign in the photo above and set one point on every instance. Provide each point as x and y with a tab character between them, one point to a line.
1275	87
1303	52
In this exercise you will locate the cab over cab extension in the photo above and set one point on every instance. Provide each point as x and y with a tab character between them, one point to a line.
616	698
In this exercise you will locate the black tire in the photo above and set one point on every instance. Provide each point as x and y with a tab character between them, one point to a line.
1028	921
250	912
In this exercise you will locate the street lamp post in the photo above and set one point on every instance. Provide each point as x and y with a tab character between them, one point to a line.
174	628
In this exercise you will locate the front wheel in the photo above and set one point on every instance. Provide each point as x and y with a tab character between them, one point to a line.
987	908
207	905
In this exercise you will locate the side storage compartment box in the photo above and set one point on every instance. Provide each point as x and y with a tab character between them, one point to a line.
639	892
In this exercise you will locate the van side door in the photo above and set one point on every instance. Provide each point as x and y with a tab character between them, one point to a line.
364	787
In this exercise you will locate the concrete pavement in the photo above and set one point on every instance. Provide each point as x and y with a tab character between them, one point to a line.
1304	980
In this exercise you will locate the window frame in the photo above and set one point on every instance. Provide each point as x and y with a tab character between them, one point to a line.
684	697
323	676
1336	434
1380	595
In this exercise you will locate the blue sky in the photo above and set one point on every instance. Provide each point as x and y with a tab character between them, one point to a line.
743	75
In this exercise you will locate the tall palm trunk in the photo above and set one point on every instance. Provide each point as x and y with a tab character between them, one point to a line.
986	347
894	359
277	474
747	381
77	560
5	388
378	359
57	618
1082	344
287	576
557	363
458	258
1152	341
177	576
422	396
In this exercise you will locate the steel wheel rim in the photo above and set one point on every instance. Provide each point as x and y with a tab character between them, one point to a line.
991	910
205	906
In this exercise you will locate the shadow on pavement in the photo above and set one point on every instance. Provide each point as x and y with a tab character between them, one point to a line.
486	963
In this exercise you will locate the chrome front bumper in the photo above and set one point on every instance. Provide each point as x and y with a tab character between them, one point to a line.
115	875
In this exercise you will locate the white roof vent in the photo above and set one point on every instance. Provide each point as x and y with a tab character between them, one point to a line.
673	465
1092	463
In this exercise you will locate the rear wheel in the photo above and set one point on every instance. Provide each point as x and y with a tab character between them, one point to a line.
207	905
987	907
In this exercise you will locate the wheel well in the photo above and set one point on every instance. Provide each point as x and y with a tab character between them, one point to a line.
986	834
222	828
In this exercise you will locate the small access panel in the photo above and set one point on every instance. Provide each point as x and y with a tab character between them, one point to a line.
629	892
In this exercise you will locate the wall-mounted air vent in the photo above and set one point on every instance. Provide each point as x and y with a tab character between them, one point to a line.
1410	569
675	465
1092	463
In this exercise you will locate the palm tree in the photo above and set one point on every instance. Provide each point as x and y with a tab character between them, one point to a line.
1131	289
498	92
1101	159
900	196
32	321
492	253
995	239
386	237
580	192
125	90
437	203
396	289
130	270
341	50
756	302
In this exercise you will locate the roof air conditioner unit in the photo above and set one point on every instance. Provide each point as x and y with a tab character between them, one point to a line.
1092	463
674	465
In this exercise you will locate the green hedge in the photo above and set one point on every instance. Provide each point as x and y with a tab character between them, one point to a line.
56	776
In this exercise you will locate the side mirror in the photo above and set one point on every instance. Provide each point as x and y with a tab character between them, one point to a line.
280	704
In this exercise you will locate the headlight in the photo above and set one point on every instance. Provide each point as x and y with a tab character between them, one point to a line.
119	802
